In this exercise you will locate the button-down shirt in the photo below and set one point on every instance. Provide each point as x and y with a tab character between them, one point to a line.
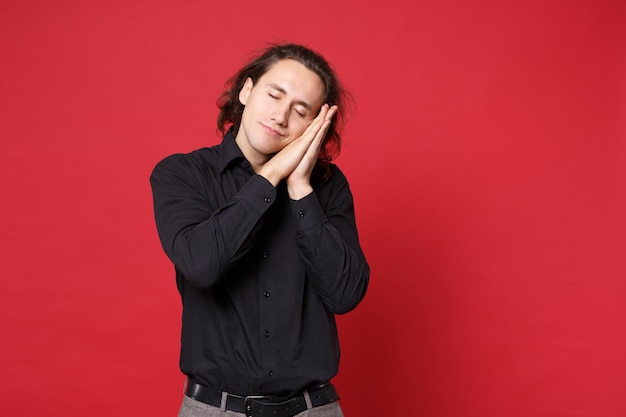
261	276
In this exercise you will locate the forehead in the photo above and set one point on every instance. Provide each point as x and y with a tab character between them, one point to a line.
296	80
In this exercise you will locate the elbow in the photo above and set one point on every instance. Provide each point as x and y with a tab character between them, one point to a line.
352	295
191	257
197	274
199	271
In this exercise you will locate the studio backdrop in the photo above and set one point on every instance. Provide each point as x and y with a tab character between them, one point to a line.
486	152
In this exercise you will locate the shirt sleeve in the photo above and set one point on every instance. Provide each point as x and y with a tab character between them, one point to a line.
204	240
328	243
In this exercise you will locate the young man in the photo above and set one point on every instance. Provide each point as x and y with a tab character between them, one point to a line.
262	234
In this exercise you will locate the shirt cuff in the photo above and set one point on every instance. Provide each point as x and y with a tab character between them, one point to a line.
307	212
259	192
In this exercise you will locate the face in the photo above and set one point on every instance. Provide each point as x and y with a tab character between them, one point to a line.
278	108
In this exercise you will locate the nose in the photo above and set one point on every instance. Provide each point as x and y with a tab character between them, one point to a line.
280	114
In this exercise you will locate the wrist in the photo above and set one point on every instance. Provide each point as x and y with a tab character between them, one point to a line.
298	191
270	175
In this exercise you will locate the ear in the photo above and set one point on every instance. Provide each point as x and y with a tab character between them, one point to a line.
245	91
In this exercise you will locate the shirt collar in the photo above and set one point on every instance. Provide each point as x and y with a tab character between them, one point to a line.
230	151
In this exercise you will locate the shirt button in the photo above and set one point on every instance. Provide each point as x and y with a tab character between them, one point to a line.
267	333
267	199
265	255
301	214
266	293
271	373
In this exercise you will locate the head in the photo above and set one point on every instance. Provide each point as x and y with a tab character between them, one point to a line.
232	108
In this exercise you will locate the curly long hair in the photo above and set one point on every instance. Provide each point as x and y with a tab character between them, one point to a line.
231	109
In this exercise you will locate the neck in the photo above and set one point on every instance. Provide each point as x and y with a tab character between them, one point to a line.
256	161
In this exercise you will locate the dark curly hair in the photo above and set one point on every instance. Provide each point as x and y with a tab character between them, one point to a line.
231	109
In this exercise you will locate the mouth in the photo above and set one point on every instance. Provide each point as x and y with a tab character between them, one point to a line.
271	130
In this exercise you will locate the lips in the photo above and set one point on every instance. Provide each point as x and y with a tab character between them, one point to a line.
271	130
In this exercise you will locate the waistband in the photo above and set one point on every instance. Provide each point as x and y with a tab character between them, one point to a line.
263	405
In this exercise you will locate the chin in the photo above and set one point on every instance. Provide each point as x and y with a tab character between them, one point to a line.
270	144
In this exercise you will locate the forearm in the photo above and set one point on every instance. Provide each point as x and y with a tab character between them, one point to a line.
333	259
299	189
206	251
203	240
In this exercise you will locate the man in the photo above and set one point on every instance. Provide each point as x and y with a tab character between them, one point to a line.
262	234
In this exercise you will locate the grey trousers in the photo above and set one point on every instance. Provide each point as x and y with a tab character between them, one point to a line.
195	408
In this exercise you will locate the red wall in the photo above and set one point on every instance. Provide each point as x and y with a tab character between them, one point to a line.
487	158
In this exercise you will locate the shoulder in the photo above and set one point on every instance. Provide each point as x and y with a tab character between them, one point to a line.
193	164
328	175
336	174
331	186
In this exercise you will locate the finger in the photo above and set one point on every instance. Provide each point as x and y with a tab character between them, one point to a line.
316	123
331	112
319	137
323	111
325	114
315	128
328	117
316	144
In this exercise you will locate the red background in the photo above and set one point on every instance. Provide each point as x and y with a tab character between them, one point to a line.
486	156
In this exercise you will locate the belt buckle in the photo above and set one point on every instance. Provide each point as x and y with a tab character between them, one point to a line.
249	398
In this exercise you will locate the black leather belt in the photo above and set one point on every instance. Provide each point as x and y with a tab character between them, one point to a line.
263	405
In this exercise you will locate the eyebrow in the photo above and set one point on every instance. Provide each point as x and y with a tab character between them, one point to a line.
282	90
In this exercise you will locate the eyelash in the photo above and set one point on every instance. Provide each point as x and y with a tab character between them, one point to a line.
276	98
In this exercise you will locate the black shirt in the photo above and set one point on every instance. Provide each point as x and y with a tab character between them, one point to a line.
260	275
